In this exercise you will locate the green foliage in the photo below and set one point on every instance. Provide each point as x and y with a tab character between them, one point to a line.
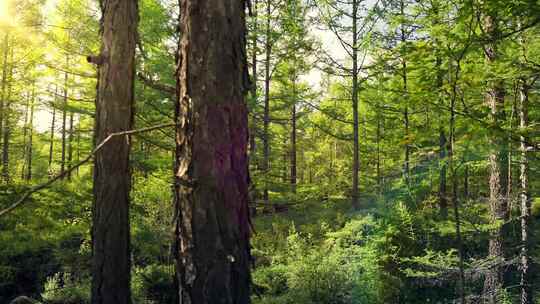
64	288
153	284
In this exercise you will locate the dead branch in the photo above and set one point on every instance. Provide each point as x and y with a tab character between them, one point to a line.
37	188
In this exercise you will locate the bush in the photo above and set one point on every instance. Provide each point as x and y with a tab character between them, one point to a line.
153	284
340	267
63	288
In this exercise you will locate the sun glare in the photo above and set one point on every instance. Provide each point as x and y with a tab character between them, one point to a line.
4	14
3	10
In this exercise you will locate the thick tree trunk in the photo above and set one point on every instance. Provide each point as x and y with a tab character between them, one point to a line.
266	118
111	266
354	93
211	178
497	171
526	288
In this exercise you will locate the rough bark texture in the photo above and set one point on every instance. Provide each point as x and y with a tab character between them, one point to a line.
497	172
112	176
211	178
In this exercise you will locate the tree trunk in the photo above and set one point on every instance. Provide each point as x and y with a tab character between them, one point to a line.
266	135
111	266
7	128
64	120
254	95
211	178
497	171
292	157
407	171
51	138
453	172
5	66
356	145
526	288
70	144
25	133
30	148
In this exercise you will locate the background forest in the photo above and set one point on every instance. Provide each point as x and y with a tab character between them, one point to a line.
394	150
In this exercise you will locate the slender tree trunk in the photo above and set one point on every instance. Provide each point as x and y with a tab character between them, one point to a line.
70	144
64	119
497	172
29	151
378	143
356	145
7	128
526	288
443	201
293	139
5	66
453	172
266	118
53	122
466	182
111	265
78	144
211	186
25	133
254	95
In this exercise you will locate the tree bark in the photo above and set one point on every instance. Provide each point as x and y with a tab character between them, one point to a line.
111	266
211	178
497	170
526	288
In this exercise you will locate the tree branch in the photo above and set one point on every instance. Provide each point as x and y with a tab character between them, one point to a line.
37	188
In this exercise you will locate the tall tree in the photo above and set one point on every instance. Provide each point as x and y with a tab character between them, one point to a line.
494	98
111	264
211	178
